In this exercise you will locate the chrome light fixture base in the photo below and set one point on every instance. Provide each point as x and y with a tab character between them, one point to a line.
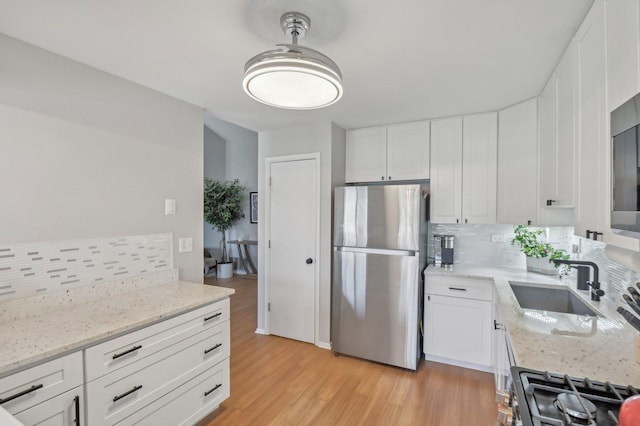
293	76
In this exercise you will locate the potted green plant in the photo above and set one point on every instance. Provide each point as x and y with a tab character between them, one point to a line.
222	209
540	254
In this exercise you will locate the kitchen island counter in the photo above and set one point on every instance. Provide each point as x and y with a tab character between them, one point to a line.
601	348
38	329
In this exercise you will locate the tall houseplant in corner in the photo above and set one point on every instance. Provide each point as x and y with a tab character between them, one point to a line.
223	209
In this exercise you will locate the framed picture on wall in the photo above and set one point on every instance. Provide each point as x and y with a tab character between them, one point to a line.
253	207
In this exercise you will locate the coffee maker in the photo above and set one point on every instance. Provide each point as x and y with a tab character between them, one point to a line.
443	250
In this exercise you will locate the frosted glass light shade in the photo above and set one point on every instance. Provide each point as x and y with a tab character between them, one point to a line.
295	79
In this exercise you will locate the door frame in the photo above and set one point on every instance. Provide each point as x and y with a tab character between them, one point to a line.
269	161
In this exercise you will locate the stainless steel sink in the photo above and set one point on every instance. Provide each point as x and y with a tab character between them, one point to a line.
550	298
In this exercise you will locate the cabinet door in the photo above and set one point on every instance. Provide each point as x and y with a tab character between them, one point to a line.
63	410
518	164
458	329
366	155
501	365
565	141
591	118
479	168
548	142
623	45
408	151
446	170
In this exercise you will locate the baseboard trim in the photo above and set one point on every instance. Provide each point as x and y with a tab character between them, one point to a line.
324	345
261	331
463	364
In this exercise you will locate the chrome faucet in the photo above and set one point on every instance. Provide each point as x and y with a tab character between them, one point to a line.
583	278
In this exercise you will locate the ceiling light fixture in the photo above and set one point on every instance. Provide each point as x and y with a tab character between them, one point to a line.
293	76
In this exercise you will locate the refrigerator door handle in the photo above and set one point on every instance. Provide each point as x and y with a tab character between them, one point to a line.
377	251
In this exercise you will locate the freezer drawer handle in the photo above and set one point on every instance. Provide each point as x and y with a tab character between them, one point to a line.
457	289
216	387
206	351
19	394
133	349
213	316
127	393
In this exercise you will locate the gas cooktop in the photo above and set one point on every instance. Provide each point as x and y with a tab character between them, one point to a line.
554	399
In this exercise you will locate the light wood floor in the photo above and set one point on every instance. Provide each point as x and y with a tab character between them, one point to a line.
277	381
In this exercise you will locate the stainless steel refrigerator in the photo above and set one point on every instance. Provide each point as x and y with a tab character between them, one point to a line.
379	254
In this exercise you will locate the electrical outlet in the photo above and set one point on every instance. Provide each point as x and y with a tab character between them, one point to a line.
497	238
185	245
169	207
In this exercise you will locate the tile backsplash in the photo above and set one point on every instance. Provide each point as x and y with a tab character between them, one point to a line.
47	267
491	245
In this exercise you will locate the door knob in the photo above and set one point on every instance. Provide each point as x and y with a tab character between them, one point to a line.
309	261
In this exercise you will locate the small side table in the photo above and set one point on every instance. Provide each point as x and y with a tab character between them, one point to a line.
243	254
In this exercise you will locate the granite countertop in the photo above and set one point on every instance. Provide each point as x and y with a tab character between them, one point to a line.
601	348
38	332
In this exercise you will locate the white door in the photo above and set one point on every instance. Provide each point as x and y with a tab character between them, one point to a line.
292	203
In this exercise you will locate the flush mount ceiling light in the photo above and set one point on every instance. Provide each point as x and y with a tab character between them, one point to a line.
293	76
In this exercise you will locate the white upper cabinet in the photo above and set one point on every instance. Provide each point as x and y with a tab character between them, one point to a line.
479	167
592	140
408	151
463	169
393	153
366	155
558	136
518	164
623	46
446	170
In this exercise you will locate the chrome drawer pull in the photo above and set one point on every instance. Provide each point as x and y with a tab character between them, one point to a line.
457	289
23	393
127	393
133	349
213	316
214	388
206	351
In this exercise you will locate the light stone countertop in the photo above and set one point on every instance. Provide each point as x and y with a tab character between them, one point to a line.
46	332
601	349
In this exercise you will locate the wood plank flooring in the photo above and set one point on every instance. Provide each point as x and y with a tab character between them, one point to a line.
277	381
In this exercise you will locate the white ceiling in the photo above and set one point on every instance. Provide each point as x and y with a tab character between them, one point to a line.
401	60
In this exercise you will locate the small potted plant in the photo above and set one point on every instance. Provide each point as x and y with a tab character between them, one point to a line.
222	209
540	255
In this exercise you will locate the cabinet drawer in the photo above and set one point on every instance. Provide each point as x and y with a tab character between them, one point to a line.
124	350
47	381
117	395
466	288
188	403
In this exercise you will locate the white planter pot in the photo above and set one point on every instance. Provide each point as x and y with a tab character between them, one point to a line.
541	265
225	270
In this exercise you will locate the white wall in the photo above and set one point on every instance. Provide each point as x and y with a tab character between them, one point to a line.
215	169
86	154
241	162
328	140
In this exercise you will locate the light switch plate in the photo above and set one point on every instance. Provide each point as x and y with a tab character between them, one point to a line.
169	207
185	245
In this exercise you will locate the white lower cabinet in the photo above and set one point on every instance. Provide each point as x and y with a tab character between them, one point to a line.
458	323
174	372
63	410
47	394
